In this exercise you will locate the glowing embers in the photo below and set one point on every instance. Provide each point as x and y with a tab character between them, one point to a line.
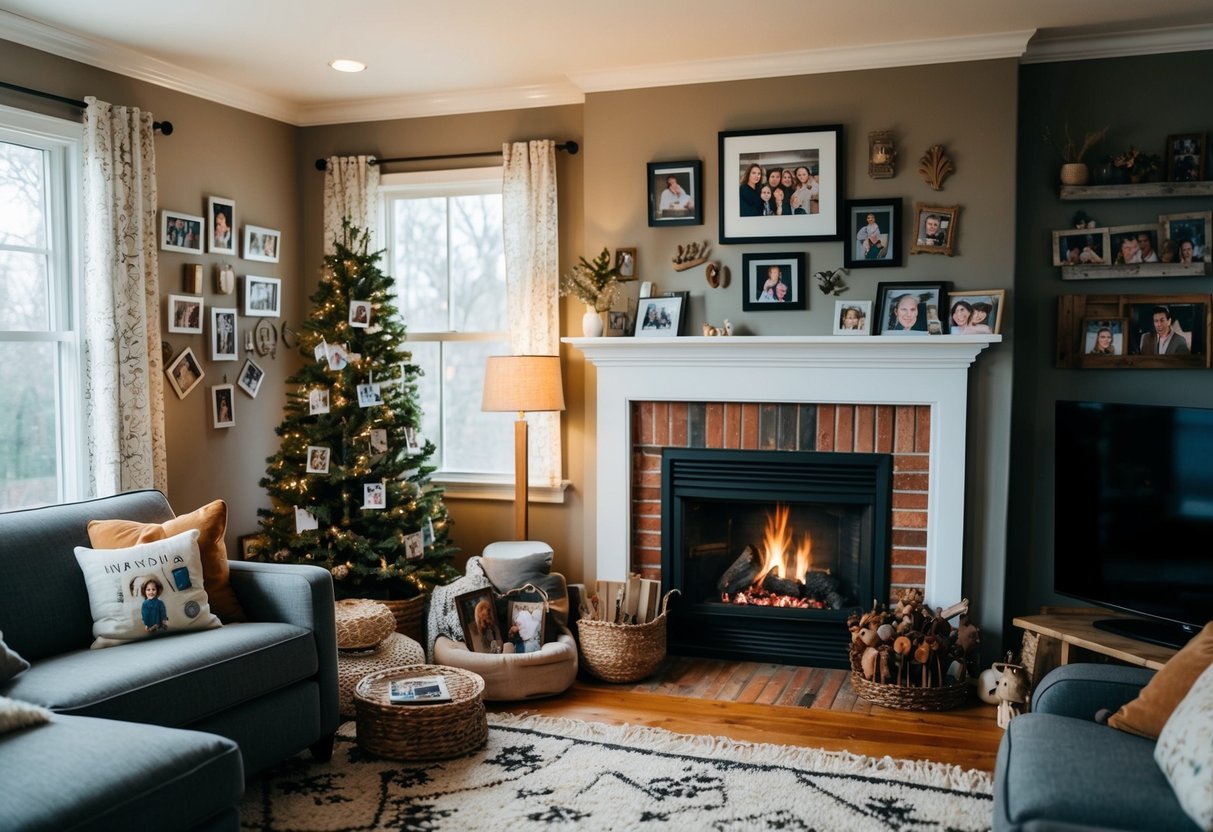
779	572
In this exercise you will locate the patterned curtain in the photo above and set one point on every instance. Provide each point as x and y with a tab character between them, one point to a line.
124	386
532	279
351	190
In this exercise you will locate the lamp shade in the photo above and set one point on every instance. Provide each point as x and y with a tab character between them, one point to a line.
522	383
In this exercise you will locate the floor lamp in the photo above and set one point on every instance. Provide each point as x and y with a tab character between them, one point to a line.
522	383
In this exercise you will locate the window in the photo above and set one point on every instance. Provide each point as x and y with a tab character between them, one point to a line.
40	392
444	239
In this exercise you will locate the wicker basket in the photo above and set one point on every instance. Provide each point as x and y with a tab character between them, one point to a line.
362	624
352	665
410	616
421	732
905	697
623	652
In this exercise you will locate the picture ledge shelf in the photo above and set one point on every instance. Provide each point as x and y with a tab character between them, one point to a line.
1113	271
1144	190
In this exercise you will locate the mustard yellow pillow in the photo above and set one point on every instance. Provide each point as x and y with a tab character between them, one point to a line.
1149	712
211	523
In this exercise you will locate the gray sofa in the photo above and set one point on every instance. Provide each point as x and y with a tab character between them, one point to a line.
1060	771
158	733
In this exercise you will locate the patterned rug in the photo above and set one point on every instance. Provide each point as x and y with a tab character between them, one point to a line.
542	772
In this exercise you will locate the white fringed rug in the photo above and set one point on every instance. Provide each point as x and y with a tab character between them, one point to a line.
547	773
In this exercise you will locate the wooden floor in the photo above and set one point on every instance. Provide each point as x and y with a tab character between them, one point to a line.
778	704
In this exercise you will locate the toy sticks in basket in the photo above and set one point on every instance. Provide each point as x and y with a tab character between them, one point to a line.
634	601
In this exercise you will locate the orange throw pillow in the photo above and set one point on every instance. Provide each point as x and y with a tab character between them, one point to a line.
211	523
1149	712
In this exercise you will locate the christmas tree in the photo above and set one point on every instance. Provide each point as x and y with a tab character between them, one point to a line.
350	482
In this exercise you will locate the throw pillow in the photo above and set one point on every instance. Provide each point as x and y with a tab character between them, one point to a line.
10	663
443	619
1185	751
146	590
511	573
16	714
1146	715
211	523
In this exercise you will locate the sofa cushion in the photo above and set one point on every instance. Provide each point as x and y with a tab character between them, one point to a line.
146	590
1146	715
1185	751
10	663
211	523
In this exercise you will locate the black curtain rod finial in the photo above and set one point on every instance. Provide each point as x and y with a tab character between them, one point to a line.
165	127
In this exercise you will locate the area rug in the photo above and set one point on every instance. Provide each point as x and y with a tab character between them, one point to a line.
542	772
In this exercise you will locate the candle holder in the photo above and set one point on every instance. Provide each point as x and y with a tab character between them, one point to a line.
881	154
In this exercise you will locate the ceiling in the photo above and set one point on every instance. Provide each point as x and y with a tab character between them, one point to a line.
430	58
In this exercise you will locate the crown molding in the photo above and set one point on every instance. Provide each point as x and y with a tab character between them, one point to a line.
437	104
1045	49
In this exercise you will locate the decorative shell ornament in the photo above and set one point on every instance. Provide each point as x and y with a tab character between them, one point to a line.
830	282
935	166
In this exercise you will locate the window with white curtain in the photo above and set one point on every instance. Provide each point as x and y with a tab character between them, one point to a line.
443	235
40	391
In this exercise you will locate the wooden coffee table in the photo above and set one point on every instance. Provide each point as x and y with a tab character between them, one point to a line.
421	732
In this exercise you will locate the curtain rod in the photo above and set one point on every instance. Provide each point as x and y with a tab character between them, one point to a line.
571	146
165	127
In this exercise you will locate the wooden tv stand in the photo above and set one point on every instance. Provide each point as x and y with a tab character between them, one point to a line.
1075	632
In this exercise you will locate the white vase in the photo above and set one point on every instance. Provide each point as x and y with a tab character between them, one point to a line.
591	323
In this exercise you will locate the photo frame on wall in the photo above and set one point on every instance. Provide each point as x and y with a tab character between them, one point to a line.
220	225
1188	235
223	409
771	282
978	312
875	233
262	296
935	229
1168	328
185	314
251	376
181	232
184	373
223	334
1104	336
675	193
760	204
909	308
658	317
1186	157
1081	247
1134	244
261	243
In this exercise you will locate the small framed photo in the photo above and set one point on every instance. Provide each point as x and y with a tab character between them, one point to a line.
1186	157
1167	328
262	296
223	334
659	317
1081	247
369	395
261	243
305	521
184	373
478	617
378	441
674	193
625	261
251	376
374	495
909	308
1104	336
1134	244
317	402
1188	235
220	225
360	314
852	317
875	233
618	322
249	542
976	313
414	546
935	229
222	406
526	625
413	442
337	356
185	313
773	281
317	459
181	232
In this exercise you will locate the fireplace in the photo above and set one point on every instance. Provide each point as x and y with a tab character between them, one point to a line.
771	550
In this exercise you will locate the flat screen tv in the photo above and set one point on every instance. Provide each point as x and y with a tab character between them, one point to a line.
1133	520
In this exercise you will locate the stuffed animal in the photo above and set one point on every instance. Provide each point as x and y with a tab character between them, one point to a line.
1013	691
526	627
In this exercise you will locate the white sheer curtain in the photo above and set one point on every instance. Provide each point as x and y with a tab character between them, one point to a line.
351	190
532	275
124	386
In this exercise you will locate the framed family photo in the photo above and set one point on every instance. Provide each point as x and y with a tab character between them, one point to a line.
223	409
1186	157
976	313
184	373
317	459
262	296
625	261
223	334
659	317
773	281
1134	244
782	184
1104	336
909	308
360	314
478	618
674	193
185	314
1186	237
317	402
261	243
852	317
935	229
1081	247
874	233
181	232
220	225
251	376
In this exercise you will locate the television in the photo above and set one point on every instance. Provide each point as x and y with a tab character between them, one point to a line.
1133	515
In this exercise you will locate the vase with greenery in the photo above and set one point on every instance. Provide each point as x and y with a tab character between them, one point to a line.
1074	170
594	283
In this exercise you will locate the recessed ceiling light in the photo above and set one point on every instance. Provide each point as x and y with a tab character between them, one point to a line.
346	65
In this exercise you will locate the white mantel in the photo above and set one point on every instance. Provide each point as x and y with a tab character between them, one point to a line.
887	369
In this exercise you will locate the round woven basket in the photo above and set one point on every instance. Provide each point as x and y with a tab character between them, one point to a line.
362	623
352	665
907	698
623	652
410	616
421	732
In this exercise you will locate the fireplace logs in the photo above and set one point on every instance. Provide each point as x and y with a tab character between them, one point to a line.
744	583
741	574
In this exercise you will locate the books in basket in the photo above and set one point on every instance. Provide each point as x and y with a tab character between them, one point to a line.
419	690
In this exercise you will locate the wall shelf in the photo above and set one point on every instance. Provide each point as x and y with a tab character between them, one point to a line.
1144	190
1114	272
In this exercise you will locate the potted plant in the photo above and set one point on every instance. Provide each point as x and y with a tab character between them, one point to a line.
593	282
1074	170
1138	165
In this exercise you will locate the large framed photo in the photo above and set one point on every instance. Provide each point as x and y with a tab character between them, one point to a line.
909	308
251	376
181	232
1186	157
875	233
223	410
220	225
659	317
184	373
261	243
482	631
1186	237
1104	336
262	296
223	334
852	317
185	314
1134	244
773	281
781	184
1168	328
1081	247
978	312
674	193
935	229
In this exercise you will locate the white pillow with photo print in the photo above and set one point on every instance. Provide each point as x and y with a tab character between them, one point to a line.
152	589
